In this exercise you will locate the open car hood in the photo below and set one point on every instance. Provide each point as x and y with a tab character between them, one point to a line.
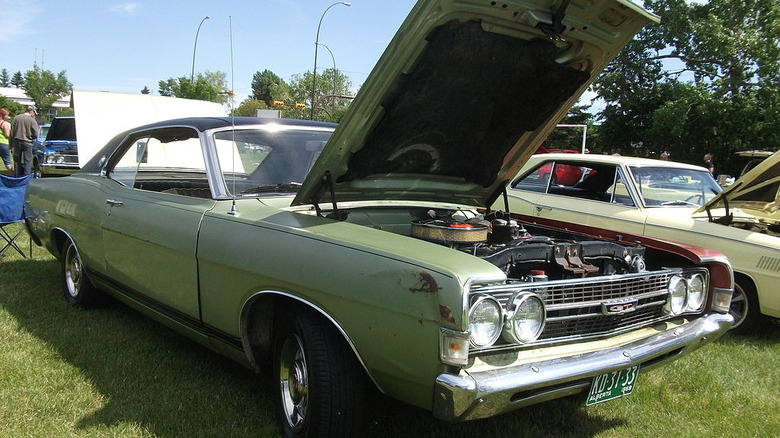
465	92
756	193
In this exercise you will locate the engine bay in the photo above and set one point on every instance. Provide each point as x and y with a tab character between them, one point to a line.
524	252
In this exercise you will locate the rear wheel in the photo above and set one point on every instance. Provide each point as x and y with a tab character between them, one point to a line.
744	306
320	388
79	291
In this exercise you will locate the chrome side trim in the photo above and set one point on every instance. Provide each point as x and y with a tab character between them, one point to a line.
482	394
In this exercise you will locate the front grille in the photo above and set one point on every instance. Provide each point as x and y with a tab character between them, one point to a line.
575	307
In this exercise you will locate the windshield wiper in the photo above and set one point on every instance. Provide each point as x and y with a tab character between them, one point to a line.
270	188
679	202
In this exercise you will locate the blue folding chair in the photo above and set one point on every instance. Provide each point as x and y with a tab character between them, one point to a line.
12	192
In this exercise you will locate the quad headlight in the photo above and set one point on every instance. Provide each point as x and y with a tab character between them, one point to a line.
485	321
521	322
525	318
687	293
696	292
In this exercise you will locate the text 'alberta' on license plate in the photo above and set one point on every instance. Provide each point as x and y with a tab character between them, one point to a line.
612	385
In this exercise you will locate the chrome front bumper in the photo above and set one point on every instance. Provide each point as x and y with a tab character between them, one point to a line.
470	396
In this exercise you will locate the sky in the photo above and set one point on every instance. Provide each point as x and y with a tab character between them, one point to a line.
125	46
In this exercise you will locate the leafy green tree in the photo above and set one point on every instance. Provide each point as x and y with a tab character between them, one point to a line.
249	107
333	94
571	138
209	86
146	90
17	80
44	87
707	79
264	85
13	107
5	78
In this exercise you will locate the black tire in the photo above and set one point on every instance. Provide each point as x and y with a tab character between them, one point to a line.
38	173
744	306
79	291
320	387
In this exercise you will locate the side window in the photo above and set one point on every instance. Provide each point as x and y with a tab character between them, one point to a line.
126	169
536	181
167	160
567	174
620	193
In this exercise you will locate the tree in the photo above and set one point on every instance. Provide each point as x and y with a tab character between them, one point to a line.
146	90
5	78
707	79
264	84
209	86
44	87
571	138
17	80
333	94
13	107
249	107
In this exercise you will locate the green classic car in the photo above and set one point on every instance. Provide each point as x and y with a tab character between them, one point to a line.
367	255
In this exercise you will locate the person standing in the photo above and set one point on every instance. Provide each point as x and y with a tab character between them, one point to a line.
24	130
5	135
709	164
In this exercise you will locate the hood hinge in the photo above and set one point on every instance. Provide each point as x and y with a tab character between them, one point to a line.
327	181
555	29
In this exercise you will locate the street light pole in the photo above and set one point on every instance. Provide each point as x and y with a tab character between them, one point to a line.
194	47
316	47
333	58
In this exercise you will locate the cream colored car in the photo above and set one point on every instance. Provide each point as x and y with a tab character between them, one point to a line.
668	200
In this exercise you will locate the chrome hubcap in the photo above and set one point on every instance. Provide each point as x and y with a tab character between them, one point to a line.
294	381
739	306
73	272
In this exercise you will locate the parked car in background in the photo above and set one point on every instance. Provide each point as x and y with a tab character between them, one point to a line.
42	131
366	254
57	155
669	200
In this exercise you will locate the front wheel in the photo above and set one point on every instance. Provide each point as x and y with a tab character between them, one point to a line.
79	291
744	307
320	387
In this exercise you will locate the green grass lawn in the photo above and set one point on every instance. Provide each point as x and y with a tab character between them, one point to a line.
110	372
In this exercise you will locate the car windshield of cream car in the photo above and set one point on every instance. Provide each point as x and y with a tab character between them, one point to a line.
653	186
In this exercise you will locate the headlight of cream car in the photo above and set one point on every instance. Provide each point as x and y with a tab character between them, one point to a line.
525	318
485	321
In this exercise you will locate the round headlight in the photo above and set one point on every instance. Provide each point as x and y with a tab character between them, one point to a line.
485	322
696	292
678	291
525	318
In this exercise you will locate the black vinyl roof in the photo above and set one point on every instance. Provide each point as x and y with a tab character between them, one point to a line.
200	124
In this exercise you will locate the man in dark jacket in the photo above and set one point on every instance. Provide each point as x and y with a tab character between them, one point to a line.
24	130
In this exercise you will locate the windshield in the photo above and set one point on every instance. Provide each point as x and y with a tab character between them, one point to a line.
669	186
268	160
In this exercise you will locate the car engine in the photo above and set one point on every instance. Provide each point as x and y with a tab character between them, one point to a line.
529	252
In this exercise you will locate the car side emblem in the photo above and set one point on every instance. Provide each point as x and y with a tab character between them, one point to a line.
619	307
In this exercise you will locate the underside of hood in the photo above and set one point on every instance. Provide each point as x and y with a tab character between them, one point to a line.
463	95
756	192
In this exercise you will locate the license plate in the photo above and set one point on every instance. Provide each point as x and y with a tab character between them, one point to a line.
609	386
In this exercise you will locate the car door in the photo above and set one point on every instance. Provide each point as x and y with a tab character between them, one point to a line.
595	194
150	234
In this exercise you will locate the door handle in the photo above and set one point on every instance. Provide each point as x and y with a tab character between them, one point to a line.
539	208
114	202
